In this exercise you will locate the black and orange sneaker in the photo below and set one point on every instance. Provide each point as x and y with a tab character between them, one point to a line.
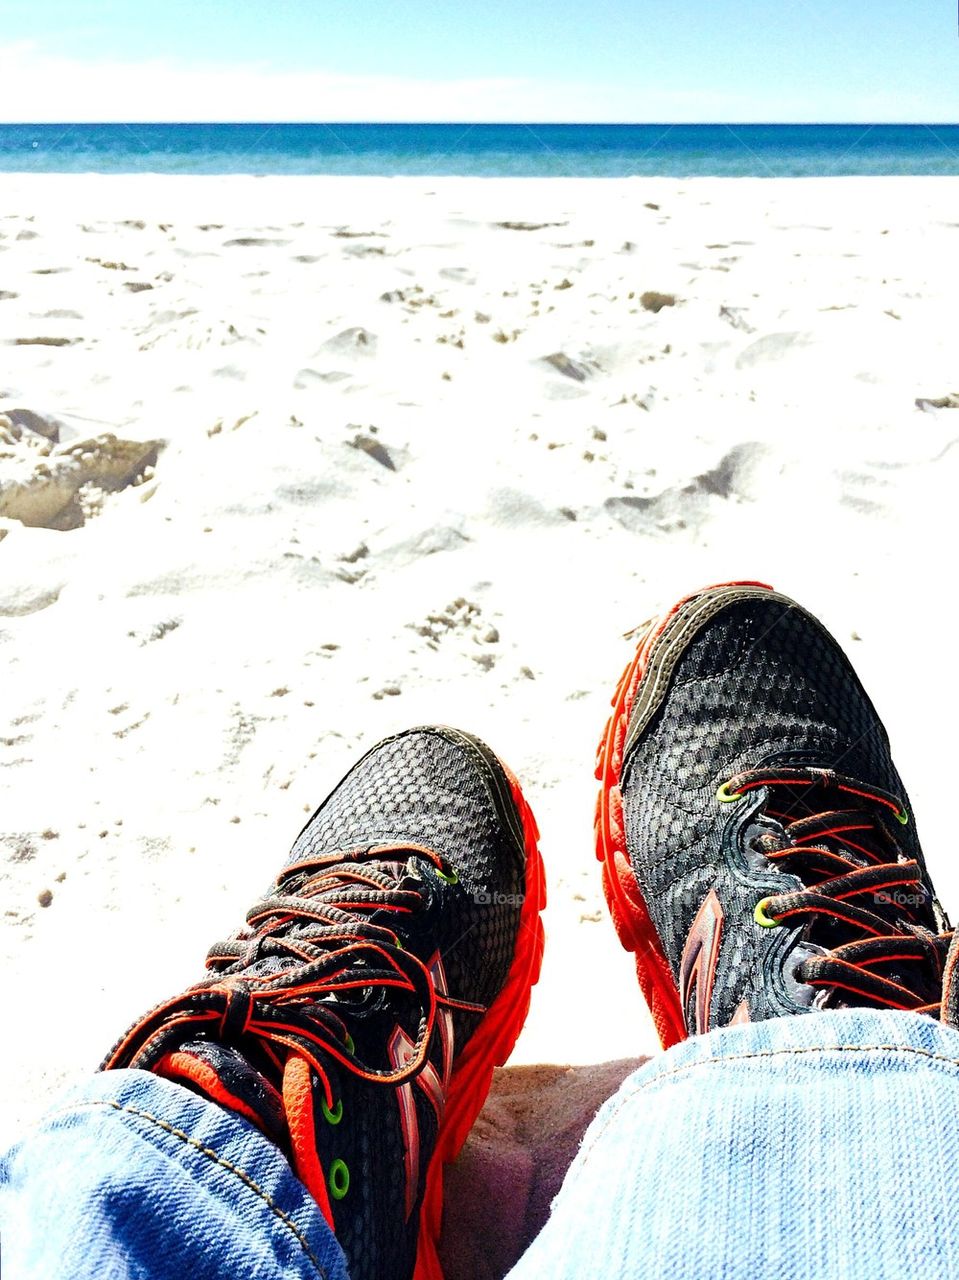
759	853
358	1016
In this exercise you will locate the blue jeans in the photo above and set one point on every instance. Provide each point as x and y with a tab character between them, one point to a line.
821	1145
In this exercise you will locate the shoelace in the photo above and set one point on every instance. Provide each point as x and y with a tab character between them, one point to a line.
316	925
872	865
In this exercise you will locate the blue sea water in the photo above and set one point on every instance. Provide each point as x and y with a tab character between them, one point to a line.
576	150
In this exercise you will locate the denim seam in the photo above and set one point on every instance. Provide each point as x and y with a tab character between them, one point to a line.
765	1053
245	1178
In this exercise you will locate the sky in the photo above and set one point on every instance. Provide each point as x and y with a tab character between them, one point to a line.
872	61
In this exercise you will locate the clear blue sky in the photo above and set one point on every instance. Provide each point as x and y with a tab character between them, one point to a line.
869	60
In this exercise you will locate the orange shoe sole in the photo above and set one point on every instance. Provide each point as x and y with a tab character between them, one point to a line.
489	1046
625	901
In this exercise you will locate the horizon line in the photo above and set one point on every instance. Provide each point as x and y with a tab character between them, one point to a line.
481	124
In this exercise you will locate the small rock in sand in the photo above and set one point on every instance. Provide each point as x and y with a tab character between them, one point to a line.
374	449
562	363
653	301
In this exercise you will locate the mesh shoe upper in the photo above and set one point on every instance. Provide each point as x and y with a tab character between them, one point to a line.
746	680
341	1018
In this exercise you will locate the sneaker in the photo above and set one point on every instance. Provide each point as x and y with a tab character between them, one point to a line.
357	1018
759	852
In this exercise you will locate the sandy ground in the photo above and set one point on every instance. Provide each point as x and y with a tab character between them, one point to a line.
289	464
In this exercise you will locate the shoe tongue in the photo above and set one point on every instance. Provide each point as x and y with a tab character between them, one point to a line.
221	1073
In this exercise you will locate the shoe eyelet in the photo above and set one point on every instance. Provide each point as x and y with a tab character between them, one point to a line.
334	1116
760	916
451	878
350	1046
902	816
725	796
338	1179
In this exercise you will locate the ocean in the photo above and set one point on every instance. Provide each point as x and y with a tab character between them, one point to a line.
520	150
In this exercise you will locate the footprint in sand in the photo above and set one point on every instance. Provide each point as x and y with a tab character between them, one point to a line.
196	334
528	226
462	620
360	250
355	341
739	476
771	347
344	233
255	242
461	275
864	491
307	378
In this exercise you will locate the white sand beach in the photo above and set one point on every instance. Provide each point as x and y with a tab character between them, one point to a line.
290	463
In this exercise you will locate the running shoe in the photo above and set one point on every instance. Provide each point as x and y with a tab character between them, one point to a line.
357	1017
759	851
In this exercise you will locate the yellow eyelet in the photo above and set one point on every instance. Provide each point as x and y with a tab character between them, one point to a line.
452	878
902	816
725	796
350	1046
759	915
334	1116
338	1179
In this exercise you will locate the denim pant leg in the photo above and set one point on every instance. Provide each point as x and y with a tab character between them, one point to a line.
823	1145
132	1177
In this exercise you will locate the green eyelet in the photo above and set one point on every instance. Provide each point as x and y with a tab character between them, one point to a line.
452	878
350	1046
338	1179
759	915
903	816
334	1116
725	796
